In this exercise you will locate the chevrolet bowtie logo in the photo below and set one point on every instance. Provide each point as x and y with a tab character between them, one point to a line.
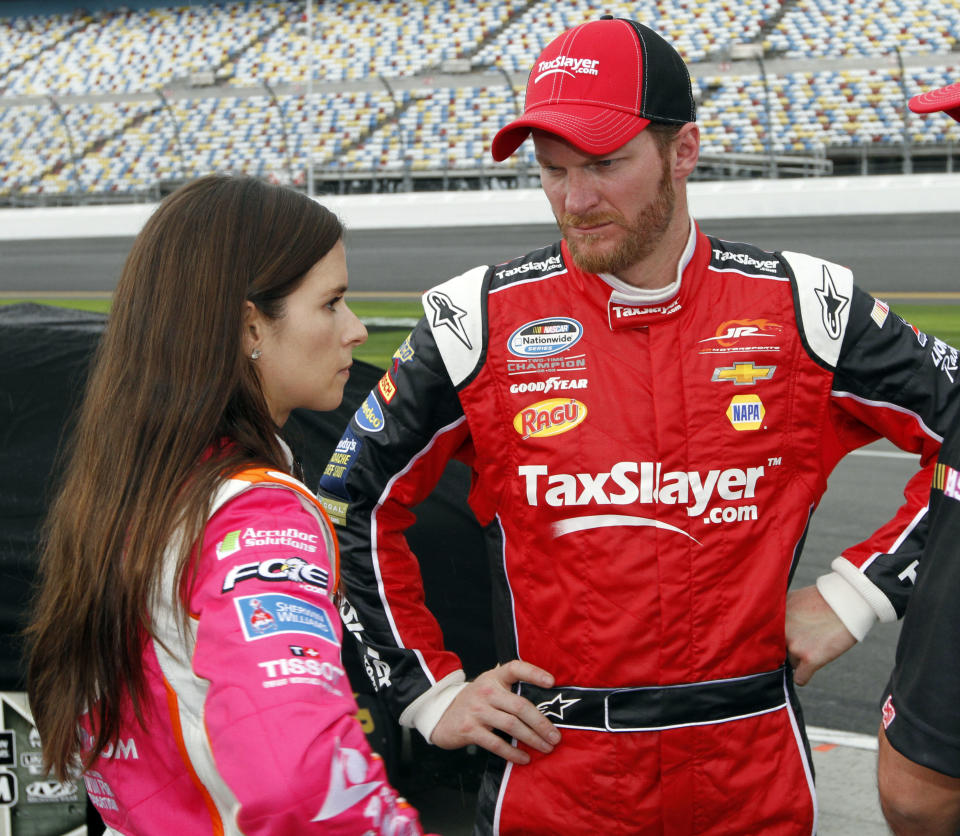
743	374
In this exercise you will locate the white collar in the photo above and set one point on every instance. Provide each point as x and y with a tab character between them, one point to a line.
644	296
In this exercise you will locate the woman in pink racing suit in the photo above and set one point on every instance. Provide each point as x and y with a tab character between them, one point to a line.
184	646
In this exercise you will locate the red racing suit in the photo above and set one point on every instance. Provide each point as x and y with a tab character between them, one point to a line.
250	723
645	471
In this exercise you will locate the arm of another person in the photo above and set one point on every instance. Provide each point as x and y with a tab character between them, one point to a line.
919	755
916	800
279	711
889	381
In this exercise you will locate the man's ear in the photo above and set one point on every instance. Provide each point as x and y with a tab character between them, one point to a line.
686	146
253	326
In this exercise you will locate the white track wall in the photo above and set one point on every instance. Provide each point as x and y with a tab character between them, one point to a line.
810	197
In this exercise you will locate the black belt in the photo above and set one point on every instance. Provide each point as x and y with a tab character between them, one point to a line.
660	706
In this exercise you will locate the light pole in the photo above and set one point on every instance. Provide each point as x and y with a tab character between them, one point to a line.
310	125
739	52
401	133
522	159
165	104
73	153
907	158
283	128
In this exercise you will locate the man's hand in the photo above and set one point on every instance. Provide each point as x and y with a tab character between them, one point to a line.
487	703
815	635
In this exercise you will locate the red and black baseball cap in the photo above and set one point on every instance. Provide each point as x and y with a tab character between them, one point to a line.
598	85
946	99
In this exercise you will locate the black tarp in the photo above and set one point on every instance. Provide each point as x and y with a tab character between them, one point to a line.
44	355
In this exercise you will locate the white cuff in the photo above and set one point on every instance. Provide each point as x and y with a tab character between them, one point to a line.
425	711
857	602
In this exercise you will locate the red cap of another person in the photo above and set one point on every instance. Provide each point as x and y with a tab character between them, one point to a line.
946	99
598	85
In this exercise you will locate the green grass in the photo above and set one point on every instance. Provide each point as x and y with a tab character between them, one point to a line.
940	319
95	305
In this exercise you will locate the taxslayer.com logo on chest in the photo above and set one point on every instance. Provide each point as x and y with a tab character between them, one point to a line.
544	337
550	417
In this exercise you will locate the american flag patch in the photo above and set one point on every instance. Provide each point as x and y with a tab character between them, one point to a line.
879	312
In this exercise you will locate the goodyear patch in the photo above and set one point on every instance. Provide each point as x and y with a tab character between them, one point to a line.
550	417
746	412
270	614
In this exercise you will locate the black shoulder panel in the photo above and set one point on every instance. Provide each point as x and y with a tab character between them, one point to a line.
744	258
547	261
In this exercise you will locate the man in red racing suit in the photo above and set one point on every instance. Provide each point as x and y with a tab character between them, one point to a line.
645	465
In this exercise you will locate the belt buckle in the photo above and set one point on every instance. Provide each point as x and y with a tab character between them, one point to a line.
613	725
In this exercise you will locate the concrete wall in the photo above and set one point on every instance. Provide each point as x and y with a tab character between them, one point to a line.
895	194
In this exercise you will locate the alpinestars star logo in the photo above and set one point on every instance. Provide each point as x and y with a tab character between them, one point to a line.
447	314
832	304
556	706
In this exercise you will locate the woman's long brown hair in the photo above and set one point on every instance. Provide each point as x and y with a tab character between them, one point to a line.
170	381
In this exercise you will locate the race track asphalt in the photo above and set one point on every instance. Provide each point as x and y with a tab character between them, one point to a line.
898	254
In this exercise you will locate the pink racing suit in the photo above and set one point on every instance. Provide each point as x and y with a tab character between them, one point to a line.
249	722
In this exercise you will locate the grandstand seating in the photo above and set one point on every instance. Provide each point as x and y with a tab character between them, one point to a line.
137	51
266	117
812	111
814	28
358	39
697	29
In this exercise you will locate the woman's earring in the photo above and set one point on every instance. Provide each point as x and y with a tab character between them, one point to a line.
256	354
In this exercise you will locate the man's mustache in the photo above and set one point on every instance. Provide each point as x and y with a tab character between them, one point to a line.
570	220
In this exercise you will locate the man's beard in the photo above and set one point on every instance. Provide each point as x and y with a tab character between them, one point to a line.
644	232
